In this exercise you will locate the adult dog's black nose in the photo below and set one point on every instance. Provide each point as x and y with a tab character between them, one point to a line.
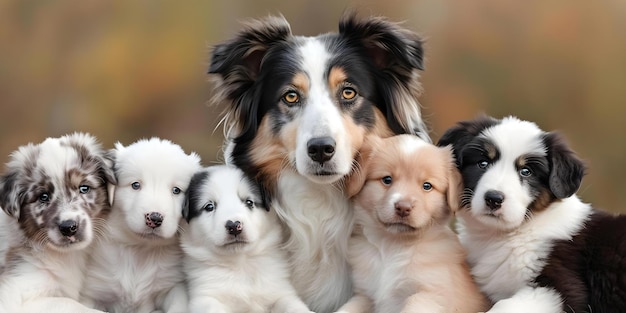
154	219
321	149
68	228
494	199
234	228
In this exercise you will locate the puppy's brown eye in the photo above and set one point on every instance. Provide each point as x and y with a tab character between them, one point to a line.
291	97
348	93
386	180
427	186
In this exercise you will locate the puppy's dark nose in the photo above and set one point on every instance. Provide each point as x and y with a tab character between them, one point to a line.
494	199
321	149
403	208
154	219
68	228
234	228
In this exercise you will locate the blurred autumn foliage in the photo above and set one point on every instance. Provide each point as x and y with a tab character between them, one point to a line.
124	70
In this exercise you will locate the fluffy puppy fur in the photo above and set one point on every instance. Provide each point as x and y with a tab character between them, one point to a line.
139	267
234	261
404	256
532	244
55	197
297	109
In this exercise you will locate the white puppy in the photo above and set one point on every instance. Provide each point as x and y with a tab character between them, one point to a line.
233	258
138	269
55	196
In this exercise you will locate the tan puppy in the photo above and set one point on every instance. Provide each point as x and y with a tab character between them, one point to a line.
404	256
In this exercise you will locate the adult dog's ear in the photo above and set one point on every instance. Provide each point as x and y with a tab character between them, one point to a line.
241	57
397	55
459	135
566	169
237	63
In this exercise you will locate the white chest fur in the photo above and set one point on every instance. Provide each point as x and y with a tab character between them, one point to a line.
505	262
319	221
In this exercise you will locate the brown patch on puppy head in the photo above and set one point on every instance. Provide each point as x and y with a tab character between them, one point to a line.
542	201
408	183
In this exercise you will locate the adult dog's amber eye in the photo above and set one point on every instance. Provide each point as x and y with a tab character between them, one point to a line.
348	93
291	97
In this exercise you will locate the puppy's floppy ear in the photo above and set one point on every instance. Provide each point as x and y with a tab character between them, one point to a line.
462	133
110	157
11	194
397	55
12	189
356	179
185	208
266	197
455	181
566	169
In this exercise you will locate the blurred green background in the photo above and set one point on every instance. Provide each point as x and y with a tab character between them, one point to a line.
124	70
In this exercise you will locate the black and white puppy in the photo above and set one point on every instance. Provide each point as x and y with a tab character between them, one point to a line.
234	261
55	195
532	244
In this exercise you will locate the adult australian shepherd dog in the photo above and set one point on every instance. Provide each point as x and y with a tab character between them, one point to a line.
297	111
533	245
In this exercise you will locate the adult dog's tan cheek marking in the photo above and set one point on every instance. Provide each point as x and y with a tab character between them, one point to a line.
268	152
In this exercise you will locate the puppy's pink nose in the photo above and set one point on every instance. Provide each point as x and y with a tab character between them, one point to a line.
154	219
403	208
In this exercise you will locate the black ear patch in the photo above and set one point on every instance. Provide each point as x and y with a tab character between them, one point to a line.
463	133
193	196
387	43
241	57
566	169
397	55
11	195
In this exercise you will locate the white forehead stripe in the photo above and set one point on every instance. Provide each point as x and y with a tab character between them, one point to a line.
315	57
516	137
